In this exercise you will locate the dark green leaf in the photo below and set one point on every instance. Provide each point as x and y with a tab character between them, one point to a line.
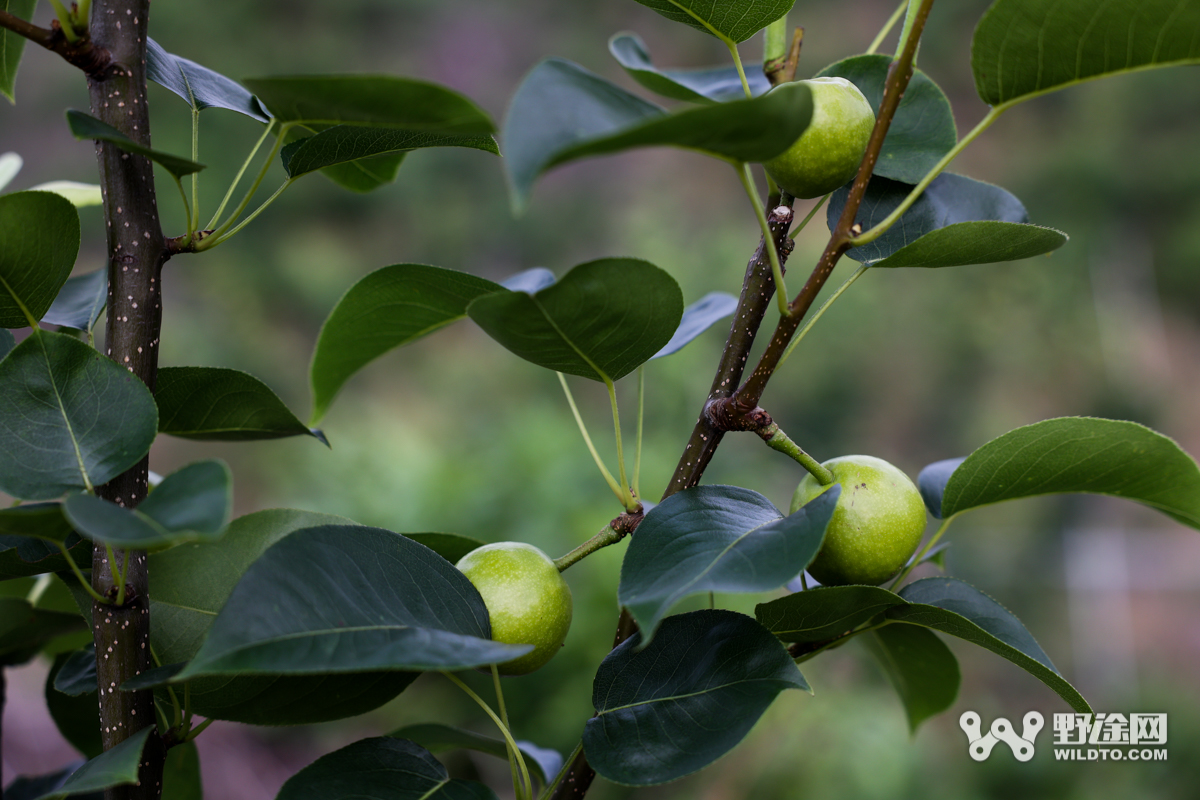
181	774
380	769
188	586
370	100
714	85
21	556
436	738
716	539
923	129
982	242
697	318
561	113
24	629
217	404
951	606
12	45
450	546
199	86
365	174
949	199
153	677
344	143
729	20
919	666
824	612
84	126
7	342
76	715
31	787
388	603
190	505
390	307
39	239
40	520
69	416
686	699
79	303
1072	454
602	320
76	675
115	767
1024	48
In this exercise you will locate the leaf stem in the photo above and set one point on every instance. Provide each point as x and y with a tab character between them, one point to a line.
112	566
737	62
199	729
841	640
64	20
508	738
187	212
824	307
608	478
776	439
238	178
262	173
874	233
915	560
804	222
194	219
215	240
775	46
84	582
519	777
626	498
562	773
641	414
781	295
887	27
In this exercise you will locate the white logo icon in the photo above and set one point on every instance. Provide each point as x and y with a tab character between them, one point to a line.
1002	731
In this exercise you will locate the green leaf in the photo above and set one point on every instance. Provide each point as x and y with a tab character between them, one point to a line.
713	85
84	126
919	666
602	320
1024	48
39	239
365	174
31	787
24	629
561	113
12	45
76	675
729	20
697	318
716	539
76	716
188	586
450	546
80	301
949	199
222	405
983	242
542	762
390	307
200	86
115	767
68	417
1070	454
824	612
181	774
370	100
923	129
380	769
959	609
43	521
345	143
192	504
21	556
388	603
686	699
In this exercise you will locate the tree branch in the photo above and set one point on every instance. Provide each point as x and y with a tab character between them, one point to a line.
84	54
136	253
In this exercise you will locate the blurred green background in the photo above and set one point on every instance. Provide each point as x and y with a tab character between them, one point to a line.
455	434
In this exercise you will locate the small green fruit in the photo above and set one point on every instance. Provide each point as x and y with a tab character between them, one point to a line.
827	154
526	597
876	525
